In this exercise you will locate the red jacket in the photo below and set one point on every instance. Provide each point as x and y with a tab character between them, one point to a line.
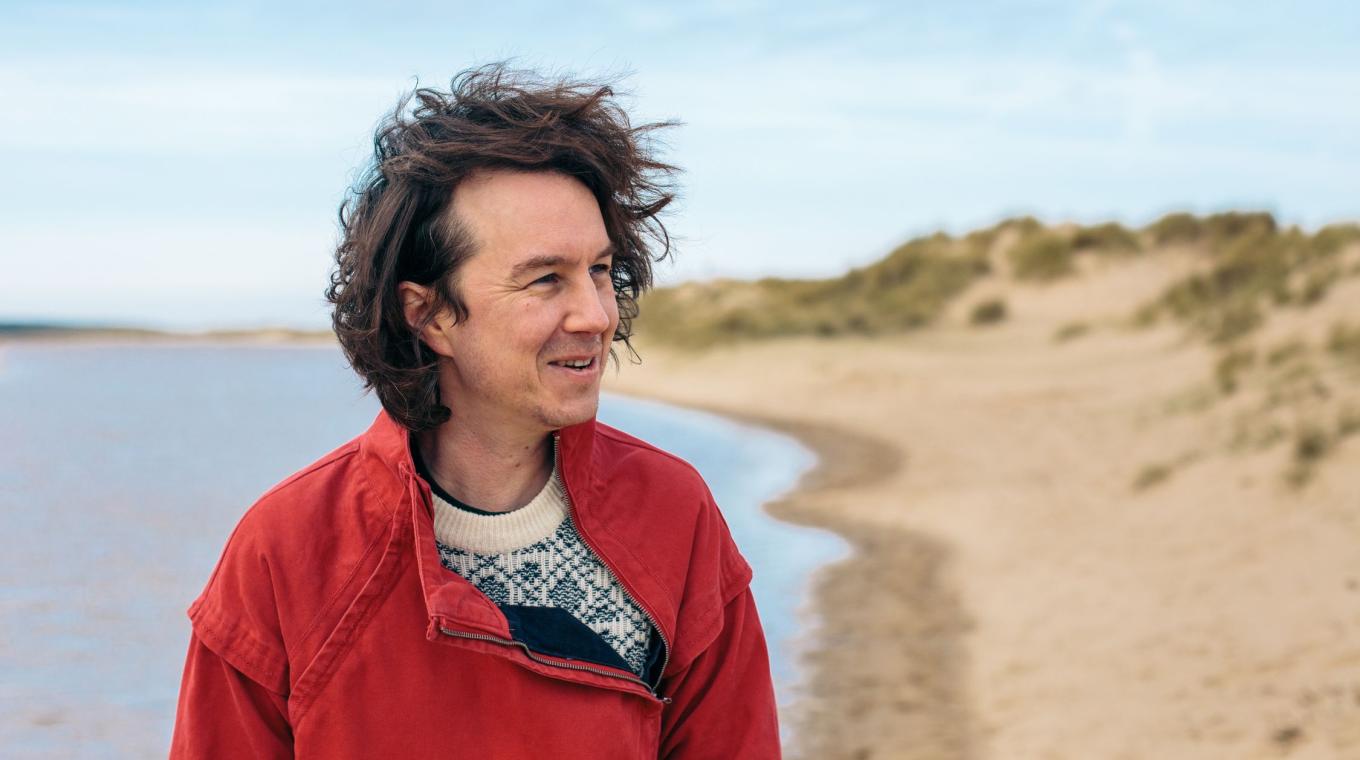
329	628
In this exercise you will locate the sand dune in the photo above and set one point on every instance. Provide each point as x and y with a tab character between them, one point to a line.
1062	551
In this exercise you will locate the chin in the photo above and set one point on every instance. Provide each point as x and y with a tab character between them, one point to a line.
571	414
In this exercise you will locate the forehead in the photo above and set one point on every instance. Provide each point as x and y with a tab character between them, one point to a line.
516	215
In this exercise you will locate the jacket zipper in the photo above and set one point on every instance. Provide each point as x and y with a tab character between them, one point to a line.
665	645
571	515
533	656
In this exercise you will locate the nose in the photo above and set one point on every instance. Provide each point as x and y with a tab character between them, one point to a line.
590	309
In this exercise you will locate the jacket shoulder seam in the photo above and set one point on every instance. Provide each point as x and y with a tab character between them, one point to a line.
267	662
626	440
240	648
740	570
348	450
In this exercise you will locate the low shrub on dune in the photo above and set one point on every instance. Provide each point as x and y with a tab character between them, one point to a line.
1042	256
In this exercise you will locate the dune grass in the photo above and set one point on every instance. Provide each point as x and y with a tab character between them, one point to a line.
905	290
1251	267
1043	256
988	312
1230	366
1293	394
1070	331
1151	475
1110	237
1156	473
1343	341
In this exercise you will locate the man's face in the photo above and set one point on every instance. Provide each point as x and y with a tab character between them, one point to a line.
539	299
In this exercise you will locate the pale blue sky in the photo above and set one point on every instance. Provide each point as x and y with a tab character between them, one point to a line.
179	164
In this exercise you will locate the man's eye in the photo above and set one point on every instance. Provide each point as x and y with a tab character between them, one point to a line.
546	279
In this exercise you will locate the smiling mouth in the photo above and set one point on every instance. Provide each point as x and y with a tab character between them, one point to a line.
577	365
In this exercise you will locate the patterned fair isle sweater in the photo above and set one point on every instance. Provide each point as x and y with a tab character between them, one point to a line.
557	595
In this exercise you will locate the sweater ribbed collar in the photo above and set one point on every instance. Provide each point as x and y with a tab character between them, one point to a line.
504	531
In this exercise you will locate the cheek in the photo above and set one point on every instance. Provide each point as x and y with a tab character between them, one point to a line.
527	323
609	300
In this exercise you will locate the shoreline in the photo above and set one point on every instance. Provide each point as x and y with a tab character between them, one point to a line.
843	705
1011	590
114	339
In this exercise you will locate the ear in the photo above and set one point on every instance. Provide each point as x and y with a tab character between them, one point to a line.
416	300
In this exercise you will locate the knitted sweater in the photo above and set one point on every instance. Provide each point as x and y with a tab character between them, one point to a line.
556	593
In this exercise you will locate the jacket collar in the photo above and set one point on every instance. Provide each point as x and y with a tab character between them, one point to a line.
448	597
390	442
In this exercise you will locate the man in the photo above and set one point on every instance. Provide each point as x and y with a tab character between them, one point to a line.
487	571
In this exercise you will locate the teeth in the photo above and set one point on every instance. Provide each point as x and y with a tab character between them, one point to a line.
576	363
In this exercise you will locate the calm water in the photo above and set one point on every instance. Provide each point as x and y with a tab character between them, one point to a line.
124	468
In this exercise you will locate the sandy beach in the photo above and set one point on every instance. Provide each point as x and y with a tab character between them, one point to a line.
1062	549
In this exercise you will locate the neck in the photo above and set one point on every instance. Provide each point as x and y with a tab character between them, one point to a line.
497	472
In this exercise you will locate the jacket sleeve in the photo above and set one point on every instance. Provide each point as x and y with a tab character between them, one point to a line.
222	713
233	699
723	700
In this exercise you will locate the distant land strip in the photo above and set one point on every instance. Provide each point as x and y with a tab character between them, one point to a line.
62	331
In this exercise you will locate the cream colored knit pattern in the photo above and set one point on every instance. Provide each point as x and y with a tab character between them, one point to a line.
533	556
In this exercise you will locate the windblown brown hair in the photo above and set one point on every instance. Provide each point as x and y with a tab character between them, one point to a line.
394	226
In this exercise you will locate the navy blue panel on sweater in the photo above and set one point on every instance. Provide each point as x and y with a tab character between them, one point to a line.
554	631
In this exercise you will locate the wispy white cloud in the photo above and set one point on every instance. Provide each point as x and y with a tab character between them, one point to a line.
140	106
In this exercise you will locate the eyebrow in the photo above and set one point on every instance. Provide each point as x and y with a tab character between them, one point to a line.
550	261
